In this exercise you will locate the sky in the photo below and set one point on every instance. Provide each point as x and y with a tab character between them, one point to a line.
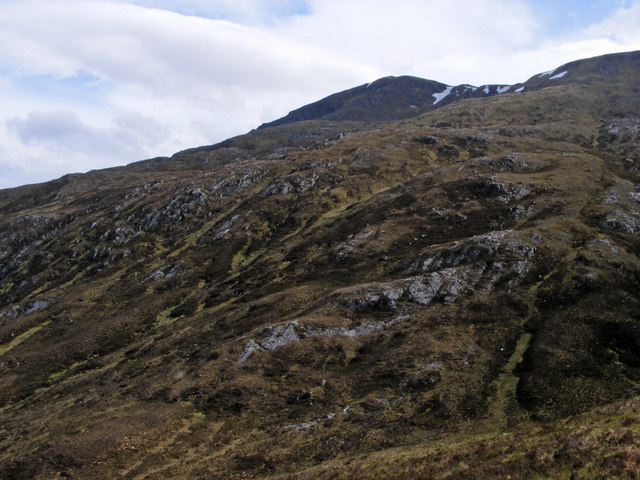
88	84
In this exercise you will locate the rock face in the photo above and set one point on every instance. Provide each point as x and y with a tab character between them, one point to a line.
315	292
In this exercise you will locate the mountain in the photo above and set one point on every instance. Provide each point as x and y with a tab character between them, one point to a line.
389	98
396	98
358	290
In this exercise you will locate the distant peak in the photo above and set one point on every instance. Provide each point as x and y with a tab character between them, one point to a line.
405	96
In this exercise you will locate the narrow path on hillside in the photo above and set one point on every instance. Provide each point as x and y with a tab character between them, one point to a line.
503	407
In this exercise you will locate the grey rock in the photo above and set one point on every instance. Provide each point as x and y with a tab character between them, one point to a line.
177	210
518	212
305	425
473	349
10	313
423	290
292	183
278	336
608	67
622	221
124	235
251	347
223	229
381	296
236	182
358	331
165	273
520	268
478	248
36	306
100	253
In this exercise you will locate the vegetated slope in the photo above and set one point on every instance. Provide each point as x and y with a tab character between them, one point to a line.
310	296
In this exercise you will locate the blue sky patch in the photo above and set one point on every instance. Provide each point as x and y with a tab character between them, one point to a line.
81	88
560	18
267	10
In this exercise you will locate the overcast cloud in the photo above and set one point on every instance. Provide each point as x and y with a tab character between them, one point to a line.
88	84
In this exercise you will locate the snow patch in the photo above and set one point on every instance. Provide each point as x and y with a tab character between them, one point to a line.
550	72
519	90
442	95
486	90
504	88
470	87
560	75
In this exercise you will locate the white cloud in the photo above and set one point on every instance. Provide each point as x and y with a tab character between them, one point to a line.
166	78
623	27
418	37
155	49
65	132
71	145
202	80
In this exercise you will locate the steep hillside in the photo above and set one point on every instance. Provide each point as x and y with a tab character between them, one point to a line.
453	294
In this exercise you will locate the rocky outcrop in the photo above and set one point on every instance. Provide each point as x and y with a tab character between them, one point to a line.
622	221
29	308
277	336
165	273
10	313
620	211
486	248
383	296
177	210
236	182
449	273
36	306
292	183
493	186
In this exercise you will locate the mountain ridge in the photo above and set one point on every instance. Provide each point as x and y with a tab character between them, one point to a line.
425	95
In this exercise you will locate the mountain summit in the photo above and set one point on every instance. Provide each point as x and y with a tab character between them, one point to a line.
389	98
405	279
